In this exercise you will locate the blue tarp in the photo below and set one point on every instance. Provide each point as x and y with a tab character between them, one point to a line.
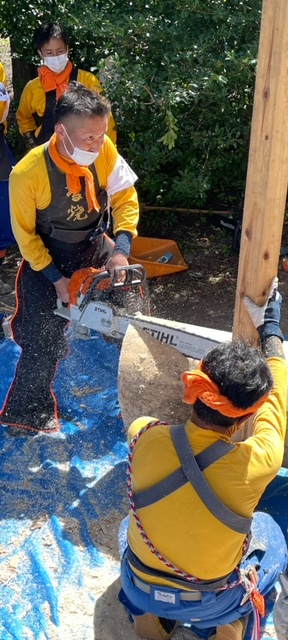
53	488
62	496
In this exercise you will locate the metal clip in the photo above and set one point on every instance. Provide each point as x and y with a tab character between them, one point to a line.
247	584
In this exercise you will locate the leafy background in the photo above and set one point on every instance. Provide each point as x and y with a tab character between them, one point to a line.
180	76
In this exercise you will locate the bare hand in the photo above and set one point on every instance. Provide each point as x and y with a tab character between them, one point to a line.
61	287
117	260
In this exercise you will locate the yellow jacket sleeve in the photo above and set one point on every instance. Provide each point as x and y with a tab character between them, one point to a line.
2	74
270	423
91	82
32	100
29	189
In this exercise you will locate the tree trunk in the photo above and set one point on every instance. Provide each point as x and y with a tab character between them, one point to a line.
22	72
267	176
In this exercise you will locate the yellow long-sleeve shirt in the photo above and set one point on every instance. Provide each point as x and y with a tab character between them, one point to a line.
29	190
33	100
180	526
2	74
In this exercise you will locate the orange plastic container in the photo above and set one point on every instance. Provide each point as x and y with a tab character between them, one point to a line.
147	251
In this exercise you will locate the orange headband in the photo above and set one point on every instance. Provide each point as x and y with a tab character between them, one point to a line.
198	385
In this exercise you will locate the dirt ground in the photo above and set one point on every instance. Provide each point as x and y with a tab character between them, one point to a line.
204	294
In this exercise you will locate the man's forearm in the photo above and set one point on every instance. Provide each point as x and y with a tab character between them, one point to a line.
123	242
272	347
52	273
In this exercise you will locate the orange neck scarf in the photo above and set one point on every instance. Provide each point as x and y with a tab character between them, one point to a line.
197	385
73	173
58	81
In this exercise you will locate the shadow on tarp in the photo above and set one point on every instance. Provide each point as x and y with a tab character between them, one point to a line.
275	500
56	488
53	488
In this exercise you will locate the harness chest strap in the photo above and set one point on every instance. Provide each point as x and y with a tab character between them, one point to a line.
167	486
191	471
194	475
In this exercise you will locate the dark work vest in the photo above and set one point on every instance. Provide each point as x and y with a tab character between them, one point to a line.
47	121
5	164
66	219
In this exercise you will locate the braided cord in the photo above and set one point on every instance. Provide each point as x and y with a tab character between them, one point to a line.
186	576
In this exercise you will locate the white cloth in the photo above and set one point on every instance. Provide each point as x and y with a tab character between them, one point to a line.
122	177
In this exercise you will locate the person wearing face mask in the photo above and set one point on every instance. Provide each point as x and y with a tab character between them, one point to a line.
35	114
59	196
6	161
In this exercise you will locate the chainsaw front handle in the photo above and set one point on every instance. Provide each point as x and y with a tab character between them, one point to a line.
135	274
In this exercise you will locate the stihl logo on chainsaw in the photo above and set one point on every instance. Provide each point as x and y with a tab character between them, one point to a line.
93	307
101	309
167	338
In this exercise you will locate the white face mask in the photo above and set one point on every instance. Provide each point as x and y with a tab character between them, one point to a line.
56	63
84	158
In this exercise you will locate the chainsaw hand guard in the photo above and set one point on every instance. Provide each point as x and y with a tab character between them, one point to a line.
135	276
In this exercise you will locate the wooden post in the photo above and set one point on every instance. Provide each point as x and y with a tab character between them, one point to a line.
267	175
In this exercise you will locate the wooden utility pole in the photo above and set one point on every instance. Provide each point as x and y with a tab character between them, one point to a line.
267	175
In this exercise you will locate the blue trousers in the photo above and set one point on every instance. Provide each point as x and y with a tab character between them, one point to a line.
214	609
6	233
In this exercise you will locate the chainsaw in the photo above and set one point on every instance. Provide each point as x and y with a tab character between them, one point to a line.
103	303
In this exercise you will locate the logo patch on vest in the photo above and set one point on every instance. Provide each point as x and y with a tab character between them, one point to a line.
165	596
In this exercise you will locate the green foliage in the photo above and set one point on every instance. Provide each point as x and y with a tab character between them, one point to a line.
180	76
12	136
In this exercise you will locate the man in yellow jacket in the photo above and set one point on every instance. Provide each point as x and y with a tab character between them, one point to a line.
35	114
193	493
58	195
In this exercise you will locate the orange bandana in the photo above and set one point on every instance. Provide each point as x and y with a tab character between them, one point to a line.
73	173
58	81
197	385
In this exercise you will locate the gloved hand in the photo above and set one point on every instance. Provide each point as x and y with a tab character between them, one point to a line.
266	319
30	140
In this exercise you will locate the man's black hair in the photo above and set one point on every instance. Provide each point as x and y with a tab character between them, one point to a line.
77	100
49	30
242	375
